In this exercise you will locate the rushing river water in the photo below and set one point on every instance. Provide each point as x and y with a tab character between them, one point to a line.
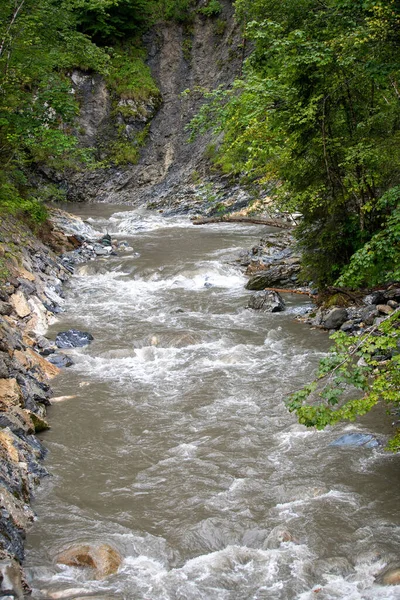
176	447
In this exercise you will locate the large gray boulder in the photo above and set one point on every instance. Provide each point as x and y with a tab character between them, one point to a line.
335	318
267	301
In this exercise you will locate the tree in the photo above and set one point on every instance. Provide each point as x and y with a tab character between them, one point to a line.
316	117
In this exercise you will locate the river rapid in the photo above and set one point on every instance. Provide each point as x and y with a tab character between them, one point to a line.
176	448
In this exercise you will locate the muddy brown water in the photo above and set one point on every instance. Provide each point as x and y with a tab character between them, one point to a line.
176	447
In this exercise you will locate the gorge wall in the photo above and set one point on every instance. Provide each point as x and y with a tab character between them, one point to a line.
199	57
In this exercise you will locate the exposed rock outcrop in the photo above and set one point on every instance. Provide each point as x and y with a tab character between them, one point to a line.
181	59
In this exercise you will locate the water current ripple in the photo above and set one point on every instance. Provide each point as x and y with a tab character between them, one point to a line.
176	449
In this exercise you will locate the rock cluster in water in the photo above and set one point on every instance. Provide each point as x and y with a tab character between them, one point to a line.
362	312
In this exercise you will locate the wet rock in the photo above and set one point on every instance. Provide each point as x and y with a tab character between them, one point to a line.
17	420
338	566
73	339
11	580
267	301
389	576
277	276
33	390
104	558
279	535
335	318
20	304
365	440
39	423
60	360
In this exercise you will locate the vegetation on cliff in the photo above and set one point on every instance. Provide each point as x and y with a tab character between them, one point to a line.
41	42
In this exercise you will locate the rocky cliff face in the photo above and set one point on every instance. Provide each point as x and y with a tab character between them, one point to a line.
200	57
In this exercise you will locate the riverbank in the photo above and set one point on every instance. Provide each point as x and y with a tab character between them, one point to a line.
35	265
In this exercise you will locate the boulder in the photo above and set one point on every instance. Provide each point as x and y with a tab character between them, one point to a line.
335	318
73	339
39	423
390	576
30	359
267	301
10	393
276	276
17	420
103	558
20	304
60	360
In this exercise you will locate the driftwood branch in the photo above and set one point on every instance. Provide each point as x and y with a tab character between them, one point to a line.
238	219
289	291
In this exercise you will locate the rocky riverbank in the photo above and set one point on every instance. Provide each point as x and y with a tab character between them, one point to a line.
31	293
275	263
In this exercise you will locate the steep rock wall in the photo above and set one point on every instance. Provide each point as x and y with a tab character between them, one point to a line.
200	57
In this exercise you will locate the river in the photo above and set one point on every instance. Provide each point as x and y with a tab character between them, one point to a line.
176	448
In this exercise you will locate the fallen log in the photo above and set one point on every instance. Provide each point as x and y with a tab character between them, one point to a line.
238	219
289	291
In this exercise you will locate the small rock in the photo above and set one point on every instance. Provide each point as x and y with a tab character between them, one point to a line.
20	305
392	303
268	301
73	339
384	309
349	326
335	318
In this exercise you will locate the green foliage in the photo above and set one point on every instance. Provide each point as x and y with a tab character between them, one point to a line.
212	8
38	43
317	116
357	374
128	76
106	21
378	261
175	10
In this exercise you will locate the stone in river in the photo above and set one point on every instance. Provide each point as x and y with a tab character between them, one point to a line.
390	576
366	440
73	339
103	558
60	360
267	301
